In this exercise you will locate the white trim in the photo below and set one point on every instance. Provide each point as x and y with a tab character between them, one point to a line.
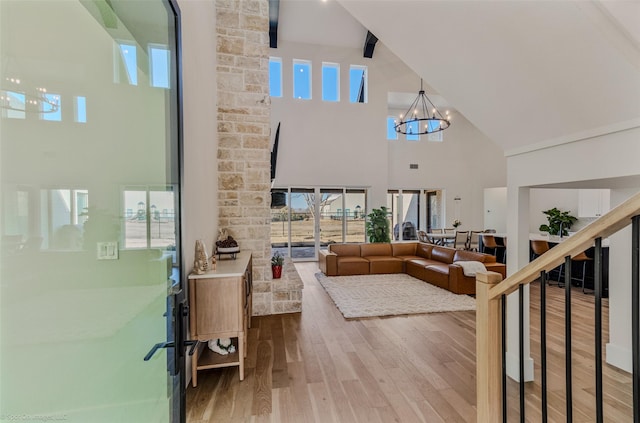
578	136
619	357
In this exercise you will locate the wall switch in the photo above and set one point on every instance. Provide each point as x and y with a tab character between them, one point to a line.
108	250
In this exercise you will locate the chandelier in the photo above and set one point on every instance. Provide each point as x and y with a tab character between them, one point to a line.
418	121
13	96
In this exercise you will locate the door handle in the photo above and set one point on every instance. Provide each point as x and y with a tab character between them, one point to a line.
182	310
160	345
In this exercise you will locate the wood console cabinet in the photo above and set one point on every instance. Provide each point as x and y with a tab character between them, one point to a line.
220	307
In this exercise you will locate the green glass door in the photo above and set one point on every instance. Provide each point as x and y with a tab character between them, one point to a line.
90	252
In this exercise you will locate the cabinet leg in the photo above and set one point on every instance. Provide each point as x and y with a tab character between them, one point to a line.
194	367
241	354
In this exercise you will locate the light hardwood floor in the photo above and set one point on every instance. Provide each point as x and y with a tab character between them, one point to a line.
315	366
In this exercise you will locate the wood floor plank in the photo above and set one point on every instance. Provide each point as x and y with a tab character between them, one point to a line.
317	366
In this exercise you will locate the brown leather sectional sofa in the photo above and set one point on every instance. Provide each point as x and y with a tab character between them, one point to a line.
434	264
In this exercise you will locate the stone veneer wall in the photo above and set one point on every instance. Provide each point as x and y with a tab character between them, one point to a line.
244	135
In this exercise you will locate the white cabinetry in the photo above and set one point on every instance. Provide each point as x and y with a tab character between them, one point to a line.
593	202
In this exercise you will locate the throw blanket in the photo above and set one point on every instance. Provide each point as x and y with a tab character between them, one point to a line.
471	267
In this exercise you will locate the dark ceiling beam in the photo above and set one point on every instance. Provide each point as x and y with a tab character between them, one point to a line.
274	12
370	44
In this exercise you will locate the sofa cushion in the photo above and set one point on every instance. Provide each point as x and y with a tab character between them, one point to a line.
384	264
350	265
345	249
438	274
404	248
375	249
424	250
462	255
443	254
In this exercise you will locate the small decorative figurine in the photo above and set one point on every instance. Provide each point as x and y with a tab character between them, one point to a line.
201	261
214	262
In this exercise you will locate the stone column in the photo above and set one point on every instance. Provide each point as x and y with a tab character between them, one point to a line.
244	135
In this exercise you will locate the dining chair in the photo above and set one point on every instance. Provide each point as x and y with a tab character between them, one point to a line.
437	231
474	241
461	240
449	242
584	258
423	237
538	248
489	242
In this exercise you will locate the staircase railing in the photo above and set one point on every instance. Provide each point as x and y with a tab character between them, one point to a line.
491	293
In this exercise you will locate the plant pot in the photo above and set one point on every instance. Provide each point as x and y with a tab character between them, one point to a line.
276	271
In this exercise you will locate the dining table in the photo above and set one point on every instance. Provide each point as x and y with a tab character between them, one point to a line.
441	239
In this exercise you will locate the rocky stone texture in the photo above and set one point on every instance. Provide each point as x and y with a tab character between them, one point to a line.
287	291
244	147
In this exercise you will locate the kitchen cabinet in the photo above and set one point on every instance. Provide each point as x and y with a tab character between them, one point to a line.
593	202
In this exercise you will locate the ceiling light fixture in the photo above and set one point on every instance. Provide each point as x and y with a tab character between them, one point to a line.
17	98
418	121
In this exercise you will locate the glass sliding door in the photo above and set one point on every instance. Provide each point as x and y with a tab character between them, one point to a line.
280	224
313	218
333	212
302	218
89	172
405	209
356	202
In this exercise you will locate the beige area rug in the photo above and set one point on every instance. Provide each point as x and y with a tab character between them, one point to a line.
390	295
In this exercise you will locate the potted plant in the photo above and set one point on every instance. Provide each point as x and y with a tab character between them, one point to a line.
378	225
559	222
277	260
456	223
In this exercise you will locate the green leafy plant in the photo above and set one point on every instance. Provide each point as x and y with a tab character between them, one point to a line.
378	225
558	219
277	259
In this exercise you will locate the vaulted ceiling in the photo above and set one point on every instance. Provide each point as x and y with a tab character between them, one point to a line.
526	73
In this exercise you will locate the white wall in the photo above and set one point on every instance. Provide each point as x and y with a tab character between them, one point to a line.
495	209
607	161
199	182
344	144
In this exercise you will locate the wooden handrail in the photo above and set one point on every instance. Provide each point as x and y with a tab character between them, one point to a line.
489	295
610	223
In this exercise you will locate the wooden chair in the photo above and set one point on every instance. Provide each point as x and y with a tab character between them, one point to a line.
461	240
489	242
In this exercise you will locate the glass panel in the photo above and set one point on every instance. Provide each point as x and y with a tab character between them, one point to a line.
332	215
302	79
409	215
330	82
394	216
79	307
302	216
280	225
391	128
358	84
275	77
160	61
128	62
434	211
355	201
81	109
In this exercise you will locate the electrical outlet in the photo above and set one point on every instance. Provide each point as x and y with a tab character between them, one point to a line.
108	250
